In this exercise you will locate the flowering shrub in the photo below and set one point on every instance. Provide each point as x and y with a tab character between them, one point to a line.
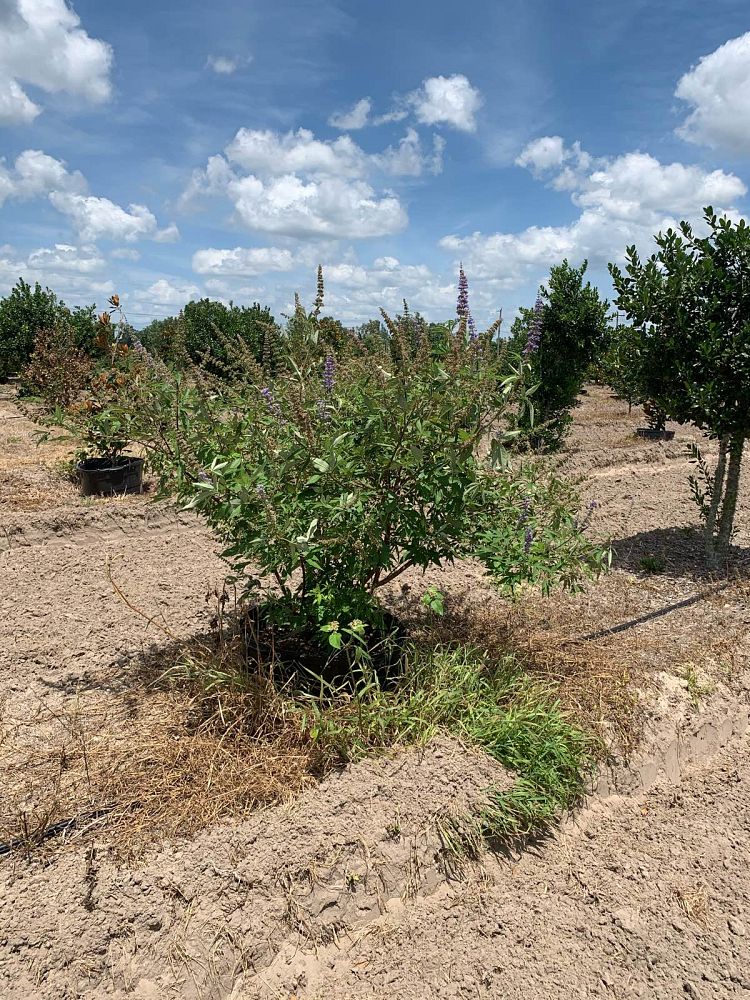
352	466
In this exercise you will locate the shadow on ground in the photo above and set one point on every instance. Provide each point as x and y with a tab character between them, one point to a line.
676	552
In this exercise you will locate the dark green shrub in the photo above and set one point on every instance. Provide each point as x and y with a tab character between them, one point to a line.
23	313
689	304
560	338
165	338
209	327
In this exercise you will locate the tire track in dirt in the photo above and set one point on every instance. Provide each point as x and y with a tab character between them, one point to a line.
647	897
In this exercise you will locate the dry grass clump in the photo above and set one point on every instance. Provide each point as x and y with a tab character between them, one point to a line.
150	765
44	490
695	903
598	688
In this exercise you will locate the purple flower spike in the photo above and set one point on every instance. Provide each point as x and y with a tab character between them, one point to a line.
273	407
329	374
473	334
528	540
590	508
534	339
143	354
462	304
525	512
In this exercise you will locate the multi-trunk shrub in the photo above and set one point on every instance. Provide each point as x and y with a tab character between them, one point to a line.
355	461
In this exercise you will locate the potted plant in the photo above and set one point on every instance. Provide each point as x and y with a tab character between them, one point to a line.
657	419
103	467
92	409
101	422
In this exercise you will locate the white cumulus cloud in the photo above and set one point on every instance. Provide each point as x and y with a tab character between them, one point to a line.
223	65
16	107
718	90
242	261
77	273
408	158
64	257
265	152
355	292
328	206
165	294
295	185
623	200
36	174
169	234
447	100
43	44
543	154
356	117
96	218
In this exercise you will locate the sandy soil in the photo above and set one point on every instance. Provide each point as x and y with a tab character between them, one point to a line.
647	897
343	892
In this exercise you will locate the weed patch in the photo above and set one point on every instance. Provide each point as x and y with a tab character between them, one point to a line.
496	706
653	564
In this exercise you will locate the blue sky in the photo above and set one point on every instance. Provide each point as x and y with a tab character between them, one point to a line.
173	150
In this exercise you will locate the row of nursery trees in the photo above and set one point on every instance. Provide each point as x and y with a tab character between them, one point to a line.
35	325
357	448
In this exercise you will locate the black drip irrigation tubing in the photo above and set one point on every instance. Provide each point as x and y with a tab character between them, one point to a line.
62	827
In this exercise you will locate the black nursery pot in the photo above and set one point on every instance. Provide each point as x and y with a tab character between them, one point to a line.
654	435
106	476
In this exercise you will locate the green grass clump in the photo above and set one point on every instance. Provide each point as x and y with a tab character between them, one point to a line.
497	707
653	564
697	688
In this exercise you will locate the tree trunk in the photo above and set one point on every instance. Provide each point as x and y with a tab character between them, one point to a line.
729	506
713	511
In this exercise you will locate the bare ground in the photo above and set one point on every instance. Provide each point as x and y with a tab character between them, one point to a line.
647	896
342	890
